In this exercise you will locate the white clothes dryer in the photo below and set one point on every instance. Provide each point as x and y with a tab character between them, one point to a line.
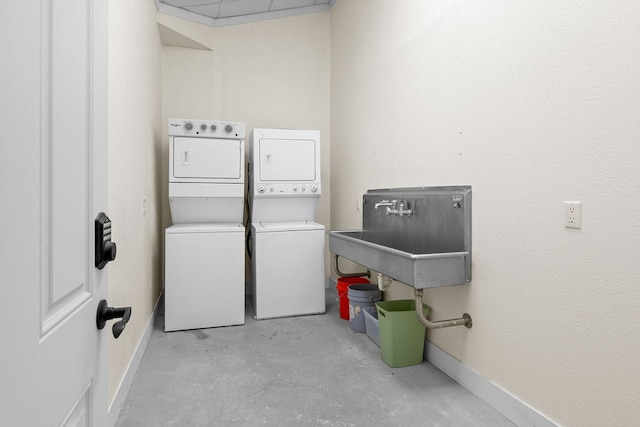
206	171
284	175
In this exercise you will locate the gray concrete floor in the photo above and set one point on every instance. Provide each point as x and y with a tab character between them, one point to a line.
298	371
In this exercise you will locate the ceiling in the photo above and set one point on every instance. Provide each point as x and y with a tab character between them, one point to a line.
229	12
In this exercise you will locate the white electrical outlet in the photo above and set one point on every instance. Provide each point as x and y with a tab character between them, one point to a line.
573	214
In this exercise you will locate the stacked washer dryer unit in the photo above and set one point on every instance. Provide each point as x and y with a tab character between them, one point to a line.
204	248
287	246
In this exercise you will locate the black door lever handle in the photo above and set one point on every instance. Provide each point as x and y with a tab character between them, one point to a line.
107	313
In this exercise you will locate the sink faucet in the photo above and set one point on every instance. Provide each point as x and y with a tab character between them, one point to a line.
387	203
402	211
394	207
399	209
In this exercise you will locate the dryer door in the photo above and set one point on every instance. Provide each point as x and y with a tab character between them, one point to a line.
288	160
207	158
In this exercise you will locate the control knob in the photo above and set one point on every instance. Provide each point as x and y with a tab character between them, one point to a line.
188	126
228	128
295	188
261	189
314	188
203	126
213	128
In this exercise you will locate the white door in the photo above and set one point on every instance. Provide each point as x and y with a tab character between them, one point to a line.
53	184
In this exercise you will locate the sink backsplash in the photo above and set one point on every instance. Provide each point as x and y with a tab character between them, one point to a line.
439	218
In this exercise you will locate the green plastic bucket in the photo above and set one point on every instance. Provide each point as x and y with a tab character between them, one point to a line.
401	333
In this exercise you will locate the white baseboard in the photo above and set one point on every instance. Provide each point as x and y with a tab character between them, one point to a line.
127	380
495	396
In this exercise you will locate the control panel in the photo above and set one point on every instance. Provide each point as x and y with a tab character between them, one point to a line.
206	128
288	189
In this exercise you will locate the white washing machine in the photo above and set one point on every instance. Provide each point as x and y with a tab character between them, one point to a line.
204	276
288	267
287	245
204	249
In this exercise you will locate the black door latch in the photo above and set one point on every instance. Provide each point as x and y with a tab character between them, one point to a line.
105	250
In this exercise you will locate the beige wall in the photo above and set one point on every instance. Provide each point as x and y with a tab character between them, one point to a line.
531	103
271	74
135	111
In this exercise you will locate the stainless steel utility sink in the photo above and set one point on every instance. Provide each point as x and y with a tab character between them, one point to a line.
418	236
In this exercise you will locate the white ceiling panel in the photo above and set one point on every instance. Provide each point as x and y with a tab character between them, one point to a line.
210	10
243	7
289	4
229	12
182	3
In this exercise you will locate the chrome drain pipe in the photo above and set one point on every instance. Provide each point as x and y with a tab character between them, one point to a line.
464	320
